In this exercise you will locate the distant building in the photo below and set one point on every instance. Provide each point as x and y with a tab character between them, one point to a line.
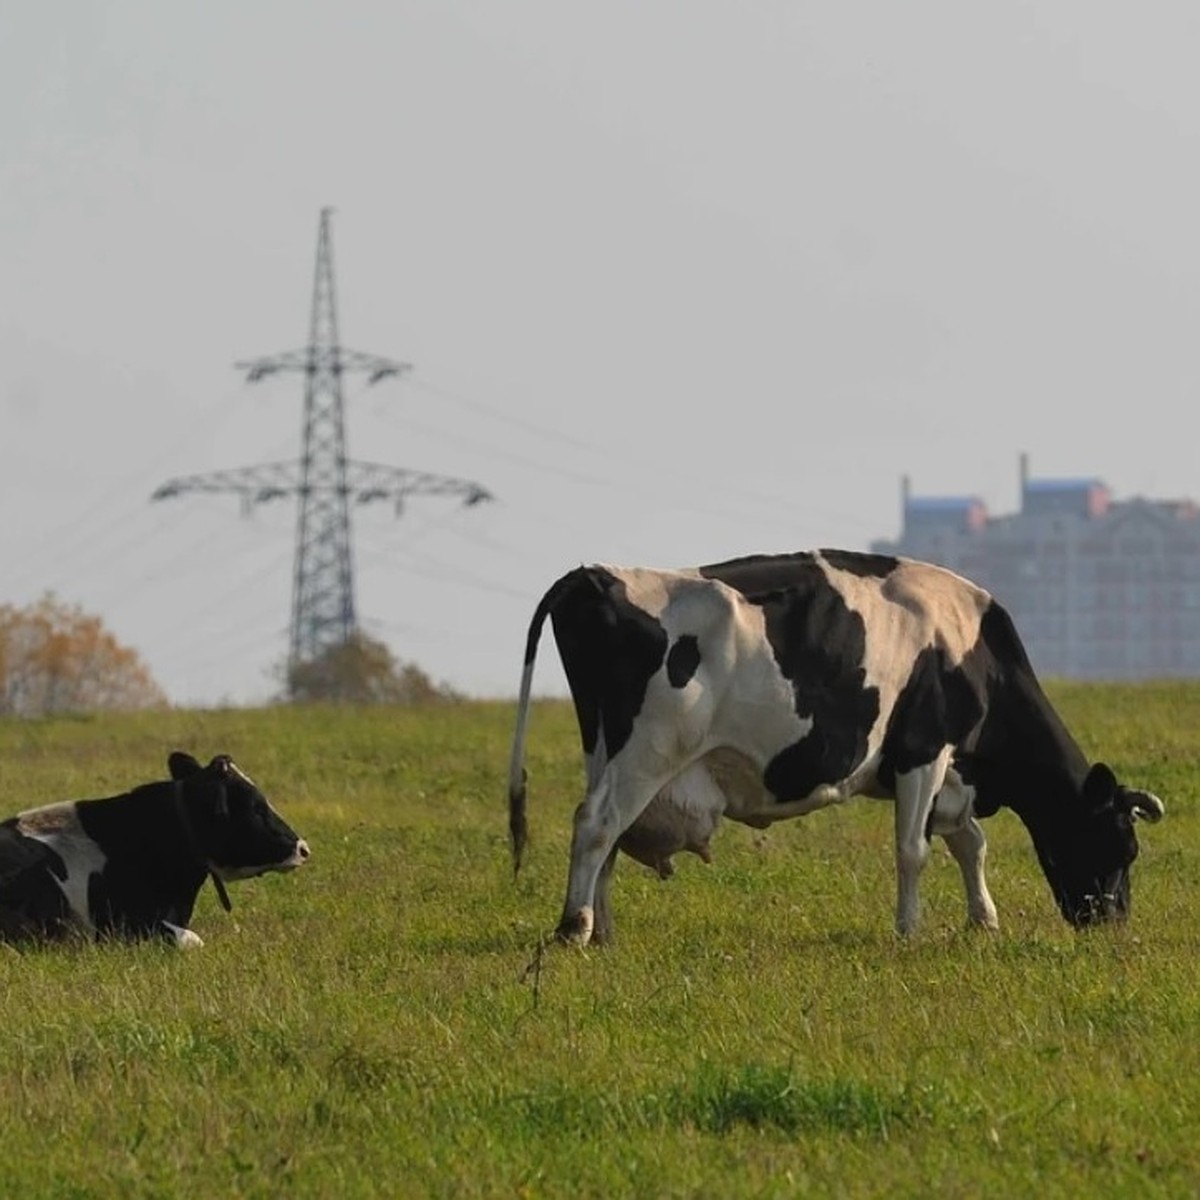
1098	588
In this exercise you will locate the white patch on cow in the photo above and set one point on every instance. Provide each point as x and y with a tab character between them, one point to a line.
652	591
737	687
937	607
57	826
185	939
917	606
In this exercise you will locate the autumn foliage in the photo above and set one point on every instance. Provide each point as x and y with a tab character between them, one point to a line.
55	658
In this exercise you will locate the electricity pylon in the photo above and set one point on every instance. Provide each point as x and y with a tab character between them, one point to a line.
325	480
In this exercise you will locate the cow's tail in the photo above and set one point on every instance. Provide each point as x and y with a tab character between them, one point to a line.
518	830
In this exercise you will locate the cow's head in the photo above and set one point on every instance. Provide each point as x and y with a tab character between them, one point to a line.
1087	859
236	829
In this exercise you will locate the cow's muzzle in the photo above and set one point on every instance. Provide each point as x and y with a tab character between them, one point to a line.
1108	903
299	857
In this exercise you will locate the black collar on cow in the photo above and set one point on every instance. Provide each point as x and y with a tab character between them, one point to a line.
189	833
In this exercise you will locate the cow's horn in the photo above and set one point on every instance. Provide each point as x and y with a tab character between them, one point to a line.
1146	805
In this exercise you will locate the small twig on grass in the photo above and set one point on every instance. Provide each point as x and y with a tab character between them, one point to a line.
535	967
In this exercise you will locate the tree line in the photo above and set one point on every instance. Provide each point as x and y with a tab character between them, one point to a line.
56	658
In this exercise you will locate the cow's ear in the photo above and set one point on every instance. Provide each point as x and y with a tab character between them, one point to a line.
1100	787
222	768
182	765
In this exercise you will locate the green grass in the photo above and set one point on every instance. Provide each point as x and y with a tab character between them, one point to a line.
380	1024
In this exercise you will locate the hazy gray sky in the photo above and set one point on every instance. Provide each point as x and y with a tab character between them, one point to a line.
679	280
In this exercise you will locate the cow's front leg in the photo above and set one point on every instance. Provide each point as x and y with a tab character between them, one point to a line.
607	811
915	793
969	847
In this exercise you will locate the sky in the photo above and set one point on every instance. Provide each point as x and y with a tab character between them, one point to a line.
679	280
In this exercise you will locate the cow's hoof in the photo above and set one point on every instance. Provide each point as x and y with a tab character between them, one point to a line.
575	930
984	924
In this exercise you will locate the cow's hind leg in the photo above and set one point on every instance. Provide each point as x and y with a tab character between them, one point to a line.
969	847
602	930
607	811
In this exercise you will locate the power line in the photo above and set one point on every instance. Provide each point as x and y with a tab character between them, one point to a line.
543	431
639	466
324	479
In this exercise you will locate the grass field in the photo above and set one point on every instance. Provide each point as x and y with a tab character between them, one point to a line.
366	1026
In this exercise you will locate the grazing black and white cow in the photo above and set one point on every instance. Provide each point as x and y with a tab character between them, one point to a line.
771	686
131	866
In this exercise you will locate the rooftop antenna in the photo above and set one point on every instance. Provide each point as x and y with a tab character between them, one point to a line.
325	480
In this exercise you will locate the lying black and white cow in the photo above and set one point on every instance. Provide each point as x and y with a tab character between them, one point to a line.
771	686
132	865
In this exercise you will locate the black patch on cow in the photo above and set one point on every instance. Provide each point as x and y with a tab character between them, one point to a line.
1021	753
759	573
868	566
610	648
999	635
819	644
683	659
151	872
1022	756
938	706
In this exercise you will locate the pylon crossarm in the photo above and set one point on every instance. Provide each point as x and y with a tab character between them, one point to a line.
369	482
323	358
376	368
256	485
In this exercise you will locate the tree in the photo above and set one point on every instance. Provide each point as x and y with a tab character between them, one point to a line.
363	670
55	658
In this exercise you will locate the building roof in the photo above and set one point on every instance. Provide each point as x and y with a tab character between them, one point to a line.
1063	485
942	503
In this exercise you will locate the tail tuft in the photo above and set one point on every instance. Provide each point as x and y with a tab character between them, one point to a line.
518	830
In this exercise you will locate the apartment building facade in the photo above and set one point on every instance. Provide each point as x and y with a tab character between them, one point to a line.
1098	588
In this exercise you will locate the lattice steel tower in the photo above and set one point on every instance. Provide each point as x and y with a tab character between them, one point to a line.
326	481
